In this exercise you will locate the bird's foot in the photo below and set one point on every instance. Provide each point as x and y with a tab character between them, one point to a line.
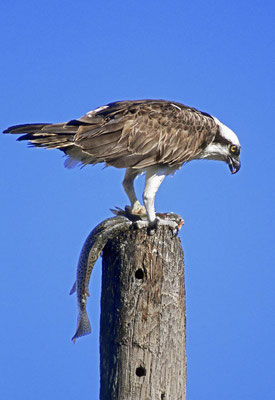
151	226
173	221
136	209
135	213
128	214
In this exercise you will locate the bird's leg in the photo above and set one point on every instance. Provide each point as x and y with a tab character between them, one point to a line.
128	184
154	177
152	183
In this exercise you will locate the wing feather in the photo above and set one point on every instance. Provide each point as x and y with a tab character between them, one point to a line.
135	134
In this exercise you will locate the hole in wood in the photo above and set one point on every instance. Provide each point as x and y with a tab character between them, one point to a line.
140	371
162	397
139	274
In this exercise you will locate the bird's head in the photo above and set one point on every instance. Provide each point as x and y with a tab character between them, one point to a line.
225	147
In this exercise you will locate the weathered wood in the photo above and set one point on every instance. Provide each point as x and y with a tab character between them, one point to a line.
142	339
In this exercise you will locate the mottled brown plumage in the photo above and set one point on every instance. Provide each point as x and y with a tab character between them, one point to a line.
136	134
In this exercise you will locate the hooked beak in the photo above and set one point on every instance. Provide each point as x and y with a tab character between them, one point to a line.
234	165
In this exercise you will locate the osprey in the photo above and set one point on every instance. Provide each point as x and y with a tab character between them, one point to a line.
152	136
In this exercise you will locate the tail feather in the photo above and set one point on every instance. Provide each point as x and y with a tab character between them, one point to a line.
52	136
83	326
25	128
65	137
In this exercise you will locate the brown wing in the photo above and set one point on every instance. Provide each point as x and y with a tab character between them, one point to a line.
142	133
125	134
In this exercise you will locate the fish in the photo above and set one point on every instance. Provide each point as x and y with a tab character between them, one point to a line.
91	250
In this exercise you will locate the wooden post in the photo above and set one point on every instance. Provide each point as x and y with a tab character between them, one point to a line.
142	326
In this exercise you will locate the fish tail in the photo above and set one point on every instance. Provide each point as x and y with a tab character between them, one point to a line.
83	326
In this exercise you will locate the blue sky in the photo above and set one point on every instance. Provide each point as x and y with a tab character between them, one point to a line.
60	59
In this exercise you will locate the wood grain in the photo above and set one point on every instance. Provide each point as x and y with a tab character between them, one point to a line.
142	339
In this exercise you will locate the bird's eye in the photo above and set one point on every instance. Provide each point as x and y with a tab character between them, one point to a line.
235	150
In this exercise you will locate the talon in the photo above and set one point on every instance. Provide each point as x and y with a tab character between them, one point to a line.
152	226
